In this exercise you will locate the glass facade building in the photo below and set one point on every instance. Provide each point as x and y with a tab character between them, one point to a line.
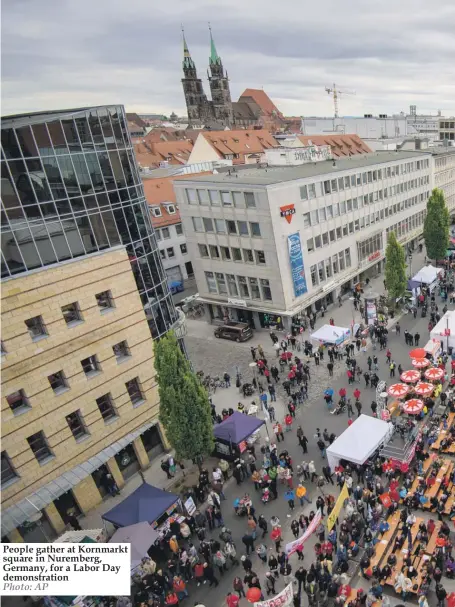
71	187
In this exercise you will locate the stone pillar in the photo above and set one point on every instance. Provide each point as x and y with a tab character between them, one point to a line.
54	518
115	471
166	443
87	494
15	537
141	453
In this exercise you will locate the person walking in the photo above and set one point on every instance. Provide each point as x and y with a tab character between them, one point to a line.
300	493
327	472
330	368
416	339
248	540
358	406
312	471
210	575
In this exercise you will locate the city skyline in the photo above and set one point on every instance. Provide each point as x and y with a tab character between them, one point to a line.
63	55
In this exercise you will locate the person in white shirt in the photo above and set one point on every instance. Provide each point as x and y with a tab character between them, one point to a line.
217	475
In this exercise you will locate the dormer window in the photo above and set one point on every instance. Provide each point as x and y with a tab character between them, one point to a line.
171	209
156	211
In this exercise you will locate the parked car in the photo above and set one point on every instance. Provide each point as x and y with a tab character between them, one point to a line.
236	331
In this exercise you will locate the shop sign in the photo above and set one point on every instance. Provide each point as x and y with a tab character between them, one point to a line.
237	302
374	256
297	267
287	212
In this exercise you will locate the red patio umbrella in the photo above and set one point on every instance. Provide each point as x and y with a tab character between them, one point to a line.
434	373
424	388
410	376
417	353
413	406
420	363
398	390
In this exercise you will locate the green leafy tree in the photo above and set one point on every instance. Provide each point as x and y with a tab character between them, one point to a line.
185	410
436	227
395	269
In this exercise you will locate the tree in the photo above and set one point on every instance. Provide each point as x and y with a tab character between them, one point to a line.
185	410
436	226
395	268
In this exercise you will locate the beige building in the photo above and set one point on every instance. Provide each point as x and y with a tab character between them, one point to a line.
79	393
444	173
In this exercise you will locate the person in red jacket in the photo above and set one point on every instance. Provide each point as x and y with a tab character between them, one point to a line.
232	600
276	537
199	573
172	599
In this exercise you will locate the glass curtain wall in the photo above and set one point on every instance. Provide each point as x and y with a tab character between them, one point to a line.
71	187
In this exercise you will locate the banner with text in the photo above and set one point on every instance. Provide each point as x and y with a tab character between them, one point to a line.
331	519
298	544
297	267
283	599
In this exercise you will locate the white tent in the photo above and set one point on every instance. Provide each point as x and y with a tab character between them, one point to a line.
329	334
427	275
358	441
445	330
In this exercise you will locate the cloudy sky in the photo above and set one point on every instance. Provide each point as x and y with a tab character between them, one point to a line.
69	53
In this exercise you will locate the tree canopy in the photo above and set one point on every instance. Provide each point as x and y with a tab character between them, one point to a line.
185	410
395	268
436	227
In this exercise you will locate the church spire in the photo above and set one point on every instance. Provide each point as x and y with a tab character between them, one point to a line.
187	61
214	58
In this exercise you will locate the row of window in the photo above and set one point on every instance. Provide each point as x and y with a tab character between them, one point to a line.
19	403
238	286
164	233
331	266
232	254
321	188
407	225
447	125
71	313
226	226
157	212
369	248
169	252
218	198
38	442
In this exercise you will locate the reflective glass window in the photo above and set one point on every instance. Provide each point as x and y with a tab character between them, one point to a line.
71	135
26	141
57	137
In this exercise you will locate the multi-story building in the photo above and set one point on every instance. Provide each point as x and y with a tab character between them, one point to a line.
447	129
443	158
83	292
269	242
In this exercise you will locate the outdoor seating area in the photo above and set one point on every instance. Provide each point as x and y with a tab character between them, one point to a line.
446	429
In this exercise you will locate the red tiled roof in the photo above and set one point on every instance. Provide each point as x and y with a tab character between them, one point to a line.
342	145
261	98
242	142
151	154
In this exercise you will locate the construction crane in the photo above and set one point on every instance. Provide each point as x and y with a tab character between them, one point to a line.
336	93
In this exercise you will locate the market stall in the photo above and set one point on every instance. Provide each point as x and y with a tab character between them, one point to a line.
426	276
146	504
141	536
329	334
231	436
352	445
444	330
433	348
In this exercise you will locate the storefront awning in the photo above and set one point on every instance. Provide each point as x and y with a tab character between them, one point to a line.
17	514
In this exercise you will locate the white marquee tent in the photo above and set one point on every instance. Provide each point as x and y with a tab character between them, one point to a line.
329	334
427	275
445	325
358	441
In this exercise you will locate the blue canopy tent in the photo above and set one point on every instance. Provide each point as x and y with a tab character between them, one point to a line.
231	434
146	504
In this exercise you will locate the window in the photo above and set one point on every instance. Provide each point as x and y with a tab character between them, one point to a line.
310	245
165	232
335	264
345	230
312	190
346	182
329	212
221	282
321	273
250	200
351	227
357	225
91	366
163	254
191	196
178	229
255	229
72	314
352	181
317	242
243	228
134	390
197	224
208	224
106	407
203	197
232	285
220	226
38	444
339	234
211	284
183	249
236	254
248	256
156	211
18	402
314	217
214	251
340	183
239	199
341	260
328	267
231	226
104	301
170	252
336	209
58	382
342	208
306	220
332	235
266	291
349	205
76	425
325	238
36	328
8	473
355	204
314	276
226	199
333	185
303	192
254	286
322	215
214	198
347	257
243	286
260	257
326	189
121	351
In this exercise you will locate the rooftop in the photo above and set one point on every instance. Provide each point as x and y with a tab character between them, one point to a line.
34	117
270	175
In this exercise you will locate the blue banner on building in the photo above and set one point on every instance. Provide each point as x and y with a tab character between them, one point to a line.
297	267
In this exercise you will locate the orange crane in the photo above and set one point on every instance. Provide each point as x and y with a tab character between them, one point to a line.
336	93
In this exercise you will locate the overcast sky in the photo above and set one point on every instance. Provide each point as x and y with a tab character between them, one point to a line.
69	53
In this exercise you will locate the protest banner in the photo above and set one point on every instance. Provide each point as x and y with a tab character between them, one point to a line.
331	519
283	599
298	544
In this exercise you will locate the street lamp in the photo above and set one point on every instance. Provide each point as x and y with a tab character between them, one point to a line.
410	265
